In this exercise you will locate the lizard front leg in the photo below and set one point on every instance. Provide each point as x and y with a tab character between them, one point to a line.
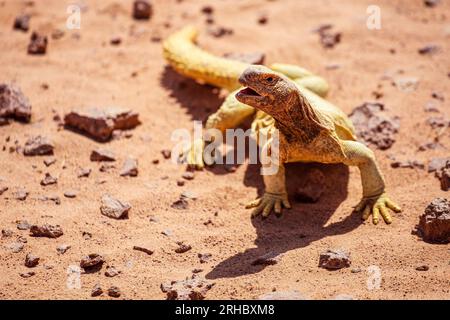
375	202
275	195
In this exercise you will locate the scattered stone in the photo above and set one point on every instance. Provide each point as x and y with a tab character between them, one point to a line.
204	257
431	106
84	172
444	176
28	274
21	194
6	233
283	295
219	32
407	84
70	194
111	272
437	164
16	247
22	22
92	262
328	38
411	164
130	168
63	248
3	189
102	155
180	183
422	268
48	180
100	124
429	49
438	96
356	270
23	225
55	199
38	44
188	195
208	10
312	187
263	19
166	153
38	146
180	204
31	261
155	161
145	250
188	175
431	3
270	258
46	230
189	289
182	248
57	34
434	224
114	208
48	162
438	122
334	259
106	167
86	235
96	291
13	104
114	292
374	127
115	41
142	10
167	233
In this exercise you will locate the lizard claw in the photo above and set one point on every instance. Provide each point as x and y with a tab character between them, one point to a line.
377	206
194	155
267	203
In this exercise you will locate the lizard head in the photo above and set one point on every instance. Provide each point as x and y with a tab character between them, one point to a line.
266	90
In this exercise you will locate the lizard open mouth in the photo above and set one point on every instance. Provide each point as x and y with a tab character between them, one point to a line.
249	92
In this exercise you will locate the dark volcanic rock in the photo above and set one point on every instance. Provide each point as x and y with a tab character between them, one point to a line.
114	292
182	247
334	259
96	291
130	168
311	187
92	262
46	230
38	146
114	208
142	10
251	58
14	104
100	124
38	44
102	155
31	261
374	127
22	22
434	224
444	176
190	289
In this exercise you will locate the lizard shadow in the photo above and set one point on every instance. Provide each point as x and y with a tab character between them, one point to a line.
299	226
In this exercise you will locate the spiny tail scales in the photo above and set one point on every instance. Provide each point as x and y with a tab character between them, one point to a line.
191	61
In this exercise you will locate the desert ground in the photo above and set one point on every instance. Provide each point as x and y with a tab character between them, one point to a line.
82	68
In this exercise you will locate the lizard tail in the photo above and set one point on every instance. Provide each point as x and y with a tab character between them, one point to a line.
191	61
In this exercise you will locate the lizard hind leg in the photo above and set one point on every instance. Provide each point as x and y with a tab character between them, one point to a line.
375	201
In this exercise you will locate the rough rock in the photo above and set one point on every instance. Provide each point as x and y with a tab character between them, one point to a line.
412	164
114	208
283	295
434	224
182	247
46	230
63	248
166	153
251	58
270	258
142	249
27	275
114	292
429	49
99	155
48	180
142	10
14	104
188	175
130	168
93	261
406	84
23	225
96	291
438	122
111	271
311	187
38	146
204	257
84	172
22	22
6	233
48	162
3	189
21	194
180	204
31	261
100	124
219	31
374	127
328	38
423	268
70	194
189	289
38	44
16	247
437	164
334	259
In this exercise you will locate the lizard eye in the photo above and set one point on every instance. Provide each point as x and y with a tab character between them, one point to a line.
269	79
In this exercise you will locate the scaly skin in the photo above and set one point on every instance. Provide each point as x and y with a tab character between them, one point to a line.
287	98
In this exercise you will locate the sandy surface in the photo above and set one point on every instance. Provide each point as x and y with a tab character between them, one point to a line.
83	69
